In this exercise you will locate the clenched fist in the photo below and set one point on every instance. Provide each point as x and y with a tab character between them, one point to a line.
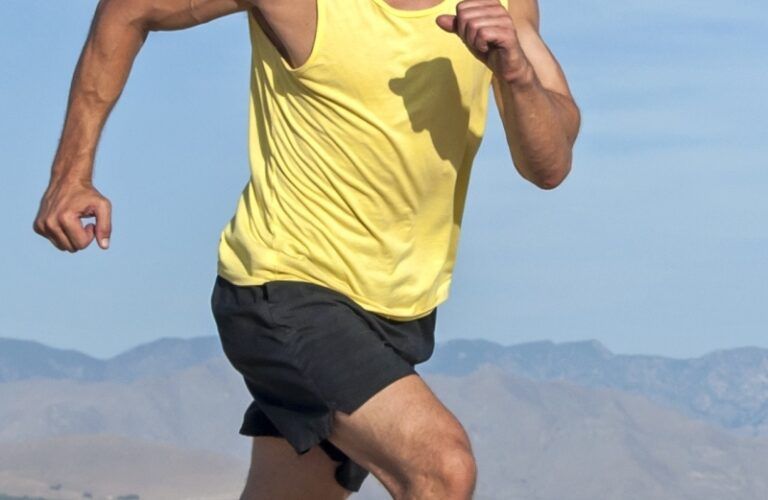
61	208
487	29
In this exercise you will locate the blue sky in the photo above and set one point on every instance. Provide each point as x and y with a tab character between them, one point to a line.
655	243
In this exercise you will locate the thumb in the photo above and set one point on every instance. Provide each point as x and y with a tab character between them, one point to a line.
103	223
446	21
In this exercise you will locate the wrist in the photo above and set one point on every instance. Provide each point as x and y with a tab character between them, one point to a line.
522	77
72	163
70	175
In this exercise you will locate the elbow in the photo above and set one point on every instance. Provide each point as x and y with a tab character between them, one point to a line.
549	183
553	176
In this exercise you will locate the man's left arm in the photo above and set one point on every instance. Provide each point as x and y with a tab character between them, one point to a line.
540	117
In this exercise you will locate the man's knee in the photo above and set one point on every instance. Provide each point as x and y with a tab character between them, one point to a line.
460	469
407	438
453	472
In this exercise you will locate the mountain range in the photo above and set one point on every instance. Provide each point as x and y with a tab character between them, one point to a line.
565	421
727	387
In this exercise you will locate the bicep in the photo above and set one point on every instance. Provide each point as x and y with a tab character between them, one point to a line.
169	15
207	10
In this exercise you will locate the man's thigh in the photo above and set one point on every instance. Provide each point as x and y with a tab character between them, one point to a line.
402	432
278	472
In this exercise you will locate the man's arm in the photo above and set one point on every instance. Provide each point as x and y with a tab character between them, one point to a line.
541	119
118	31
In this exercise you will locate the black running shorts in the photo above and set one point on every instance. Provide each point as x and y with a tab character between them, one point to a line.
305	350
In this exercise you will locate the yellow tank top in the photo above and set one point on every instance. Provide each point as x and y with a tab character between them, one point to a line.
360	158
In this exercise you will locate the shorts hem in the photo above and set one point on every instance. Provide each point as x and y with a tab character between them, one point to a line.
355	402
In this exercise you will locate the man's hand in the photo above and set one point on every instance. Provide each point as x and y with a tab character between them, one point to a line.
62	207
487	29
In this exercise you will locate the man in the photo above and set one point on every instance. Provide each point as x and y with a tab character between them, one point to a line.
365	118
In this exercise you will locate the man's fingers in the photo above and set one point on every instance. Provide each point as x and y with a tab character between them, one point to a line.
474	27
55	240
103	222
90	230
473	17
466	18
38	228
471	11
56	235
74	230
487	35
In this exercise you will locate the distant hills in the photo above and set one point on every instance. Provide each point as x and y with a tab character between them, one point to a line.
726	387
197	407
24	359
548	421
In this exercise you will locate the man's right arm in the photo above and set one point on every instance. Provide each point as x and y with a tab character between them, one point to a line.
117	33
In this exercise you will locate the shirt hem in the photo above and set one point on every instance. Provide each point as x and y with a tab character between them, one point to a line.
389	313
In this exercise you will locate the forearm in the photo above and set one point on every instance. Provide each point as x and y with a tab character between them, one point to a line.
118	31
115	38
541	127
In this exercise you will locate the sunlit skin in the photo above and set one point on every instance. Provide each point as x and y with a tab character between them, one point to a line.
403	434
